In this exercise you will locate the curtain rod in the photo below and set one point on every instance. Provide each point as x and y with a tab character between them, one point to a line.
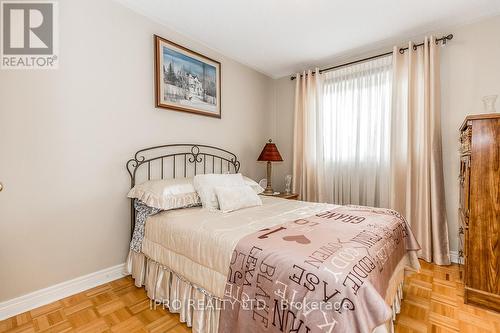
402	50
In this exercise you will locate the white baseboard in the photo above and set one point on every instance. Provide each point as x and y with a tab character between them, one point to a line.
454	257
56	292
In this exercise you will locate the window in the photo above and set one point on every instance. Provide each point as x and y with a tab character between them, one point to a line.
355	120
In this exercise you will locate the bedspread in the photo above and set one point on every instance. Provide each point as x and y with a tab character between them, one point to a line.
323	273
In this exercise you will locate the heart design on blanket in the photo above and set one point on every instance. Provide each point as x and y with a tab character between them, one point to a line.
301	239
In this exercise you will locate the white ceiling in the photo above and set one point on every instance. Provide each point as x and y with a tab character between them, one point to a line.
280	37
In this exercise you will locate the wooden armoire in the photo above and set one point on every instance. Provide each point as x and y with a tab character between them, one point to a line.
479	211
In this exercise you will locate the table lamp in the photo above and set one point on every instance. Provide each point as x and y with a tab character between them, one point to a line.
269	154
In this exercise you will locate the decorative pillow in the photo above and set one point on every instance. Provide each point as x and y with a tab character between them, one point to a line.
166	194
205	186
254	185
232	198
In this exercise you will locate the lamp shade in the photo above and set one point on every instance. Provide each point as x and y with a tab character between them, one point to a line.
270	153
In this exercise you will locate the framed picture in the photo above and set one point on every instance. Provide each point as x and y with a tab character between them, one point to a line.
185	80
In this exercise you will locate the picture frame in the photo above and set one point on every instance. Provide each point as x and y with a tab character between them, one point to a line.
186	80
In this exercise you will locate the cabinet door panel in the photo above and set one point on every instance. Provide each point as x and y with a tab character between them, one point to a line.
481	242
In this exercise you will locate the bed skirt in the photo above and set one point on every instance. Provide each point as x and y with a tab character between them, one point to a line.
166	289
200	310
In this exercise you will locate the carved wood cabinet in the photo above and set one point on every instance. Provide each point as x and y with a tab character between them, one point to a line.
479	209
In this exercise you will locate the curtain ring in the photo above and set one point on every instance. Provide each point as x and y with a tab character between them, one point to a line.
414	47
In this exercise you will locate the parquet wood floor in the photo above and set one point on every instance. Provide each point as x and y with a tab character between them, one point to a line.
433	303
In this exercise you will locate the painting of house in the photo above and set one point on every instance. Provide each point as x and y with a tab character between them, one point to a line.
187	81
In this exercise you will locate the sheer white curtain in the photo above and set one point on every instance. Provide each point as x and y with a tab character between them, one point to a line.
356	128
349	135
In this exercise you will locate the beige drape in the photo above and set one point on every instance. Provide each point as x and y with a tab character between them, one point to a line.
417	187
305	143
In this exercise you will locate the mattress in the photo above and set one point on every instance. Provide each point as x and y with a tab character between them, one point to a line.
197	243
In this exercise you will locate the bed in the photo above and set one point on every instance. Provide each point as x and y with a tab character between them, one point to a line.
187	254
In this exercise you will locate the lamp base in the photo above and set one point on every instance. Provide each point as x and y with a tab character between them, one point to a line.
268	191
269	188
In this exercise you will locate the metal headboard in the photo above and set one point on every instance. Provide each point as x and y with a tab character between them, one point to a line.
178	160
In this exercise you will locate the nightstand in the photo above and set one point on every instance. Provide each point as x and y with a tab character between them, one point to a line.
290	196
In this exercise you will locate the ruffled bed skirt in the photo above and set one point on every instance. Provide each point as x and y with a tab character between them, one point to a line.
194	305
200	310
396	308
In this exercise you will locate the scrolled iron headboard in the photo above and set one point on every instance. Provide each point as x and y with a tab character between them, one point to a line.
165	161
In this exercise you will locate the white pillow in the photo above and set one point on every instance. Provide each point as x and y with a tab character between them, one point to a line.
205	186
166	193
254	185
232	198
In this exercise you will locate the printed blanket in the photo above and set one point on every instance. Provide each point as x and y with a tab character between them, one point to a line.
142	212
325	273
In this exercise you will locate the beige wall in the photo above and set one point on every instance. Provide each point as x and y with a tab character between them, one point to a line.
284	92
470	70
66	134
